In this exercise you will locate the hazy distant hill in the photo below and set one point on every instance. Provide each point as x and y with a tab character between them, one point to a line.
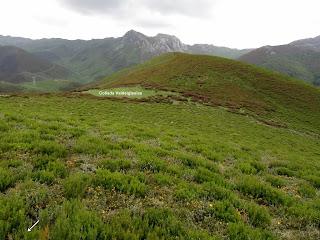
18	66
100	57
300	59
311	43
207	49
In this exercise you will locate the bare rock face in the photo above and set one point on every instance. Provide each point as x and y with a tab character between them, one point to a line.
168	43
133	37
159	44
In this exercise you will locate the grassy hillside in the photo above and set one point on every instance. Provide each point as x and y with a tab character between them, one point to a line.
215	149
274	98
104	169
44	86
10	88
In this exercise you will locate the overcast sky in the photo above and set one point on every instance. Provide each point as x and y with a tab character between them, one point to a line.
231	23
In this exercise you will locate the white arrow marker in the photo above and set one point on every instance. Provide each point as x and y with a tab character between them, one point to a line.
30	229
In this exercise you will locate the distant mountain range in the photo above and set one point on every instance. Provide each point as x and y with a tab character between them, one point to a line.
74	62
18	66
299	59
93	59
310	43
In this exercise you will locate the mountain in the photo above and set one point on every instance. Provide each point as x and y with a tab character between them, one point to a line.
300	59
223	82
19	66
96	58
113	54
310	43
206	49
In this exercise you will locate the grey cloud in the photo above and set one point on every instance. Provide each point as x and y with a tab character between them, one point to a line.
149	23
52	21
95	6
195	8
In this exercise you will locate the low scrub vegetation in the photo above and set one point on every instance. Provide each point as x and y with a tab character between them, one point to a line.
102	169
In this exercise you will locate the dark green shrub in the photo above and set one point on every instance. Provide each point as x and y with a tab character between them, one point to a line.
205	175
152	165
305	214
12	217
212	191
75	222
175	169
7	179
258	216
164	179
251	167
13	163
151	224
254	187
49	148
47	137
76	132
3	126
259	166
240	231
275	181
246	168
41	162
283	171
120	182
186	192
36	196
188	160
76	184
224	211
93	145
5	146
314	180
116	165
44	176
58	169
307	191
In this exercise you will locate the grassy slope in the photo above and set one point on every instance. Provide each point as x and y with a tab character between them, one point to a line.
10	88
45	86
125	169
138	92
55	85
101	169
216	81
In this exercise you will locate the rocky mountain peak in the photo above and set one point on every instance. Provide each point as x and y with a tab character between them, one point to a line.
134	36
169	43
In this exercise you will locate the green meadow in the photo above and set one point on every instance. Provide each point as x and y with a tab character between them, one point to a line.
96	168
56	85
